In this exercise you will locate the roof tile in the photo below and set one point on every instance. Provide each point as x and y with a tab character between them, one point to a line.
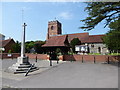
83	37
56	41
5	42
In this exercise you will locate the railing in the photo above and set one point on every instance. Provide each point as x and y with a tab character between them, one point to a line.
32	65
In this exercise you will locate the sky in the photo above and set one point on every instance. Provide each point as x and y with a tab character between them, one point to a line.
37	14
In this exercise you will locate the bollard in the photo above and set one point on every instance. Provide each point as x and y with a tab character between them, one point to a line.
118	63
70	58
57	61
108	60
50	62
82	59
36	59
2	56
94	60
12	56
27	57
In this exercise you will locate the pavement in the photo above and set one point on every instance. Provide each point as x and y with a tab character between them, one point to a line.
63	75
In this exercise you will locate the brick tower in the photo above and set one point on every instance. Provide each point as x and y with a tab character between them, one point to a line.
54	29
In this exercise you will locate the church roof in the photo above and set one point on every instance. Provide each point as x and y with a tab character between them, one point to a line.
56	41
86	38
93	39
83	37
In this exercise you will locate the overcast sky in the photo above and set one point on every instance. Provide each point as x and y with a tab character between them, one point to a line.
37	15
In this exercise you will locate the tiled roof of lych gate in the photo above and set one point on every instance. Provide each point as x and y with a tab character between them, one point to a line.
56	41
5	42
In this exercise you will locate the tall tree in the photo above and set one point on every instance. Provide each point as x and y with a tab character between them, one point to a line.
74	42
112	38
17	47
38	47
29	45
99	11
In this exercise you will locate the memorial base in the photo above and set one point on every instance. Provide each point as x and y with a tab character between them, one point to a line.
21	66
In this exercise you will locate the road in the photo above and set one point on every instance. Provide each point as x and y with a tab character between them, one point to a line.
66	75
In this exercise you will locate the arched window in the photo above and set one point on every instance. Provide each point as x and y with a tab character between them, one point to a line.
99	49
52	27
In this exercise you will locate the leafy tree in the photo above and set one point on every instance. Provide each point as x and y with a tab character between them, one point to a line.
58	51
38	47
99	11
17	47
74	42
112	38
115	25
29	45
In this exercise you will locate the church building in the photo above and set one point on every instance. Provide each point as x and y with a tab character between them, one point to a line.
89	43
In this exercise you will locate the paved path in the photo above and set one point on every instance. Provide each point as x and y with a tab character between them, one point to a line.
67	75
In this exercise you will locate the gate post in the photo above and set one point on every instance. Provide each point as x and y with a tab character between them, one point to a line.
36	59
108	60
50	62
94	60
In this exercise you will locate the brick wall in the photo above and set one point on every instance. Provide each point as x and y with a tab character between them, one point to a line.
98	58
86	58
5	55
38	56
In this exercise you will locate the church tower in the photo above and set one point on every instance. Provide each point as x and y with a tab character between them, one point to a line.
54	29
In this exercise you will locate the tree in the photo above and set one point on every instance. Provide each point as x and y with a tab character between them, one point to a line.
38	47
58	51
99	11
17	47
112	38
29	45
74	42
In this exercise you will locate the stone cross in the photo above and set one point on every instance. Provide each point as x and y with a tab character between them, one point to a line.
23	41
22	62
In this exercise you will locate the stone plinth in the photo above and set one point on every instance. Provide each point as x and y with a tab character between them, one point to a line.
22	60
21	66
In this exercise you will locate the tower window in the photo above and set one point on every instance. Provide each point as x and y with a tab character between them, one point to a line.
52	27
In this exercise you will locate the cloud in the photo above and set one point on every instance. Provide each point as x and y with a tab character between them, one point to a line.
65	15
